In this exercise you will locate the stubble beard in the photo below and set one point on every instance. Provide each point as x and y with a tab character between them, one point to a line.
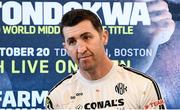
88	66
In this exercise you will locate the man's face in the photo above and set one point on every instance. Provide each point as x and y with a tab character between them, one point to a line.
85	45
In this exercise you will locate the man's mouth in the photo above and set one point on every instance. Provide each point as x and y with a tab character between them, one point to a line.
84	57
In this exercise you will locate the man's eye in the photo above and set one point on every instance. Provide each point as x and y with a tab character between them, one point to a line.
86	37
71	42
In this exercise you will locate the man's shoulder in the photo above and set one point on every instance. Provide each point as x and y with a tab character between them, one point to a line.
64	83
136	74
139	79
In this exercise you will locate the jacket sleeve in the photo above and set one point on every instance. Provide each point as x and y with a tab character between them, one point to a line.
151	97
51	102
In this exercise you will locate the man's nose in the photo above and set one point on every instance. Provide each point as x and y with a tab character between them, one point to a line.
81	47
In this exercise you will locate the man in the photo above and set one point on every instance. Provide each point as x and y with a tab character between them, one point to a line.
99	83
148	37
167	64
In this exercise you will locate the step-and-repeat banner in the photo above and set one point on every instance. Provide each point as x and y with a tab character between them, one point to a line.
32	58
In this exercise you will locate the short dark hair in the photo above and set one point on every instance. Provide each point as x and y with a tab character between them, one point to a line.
76	16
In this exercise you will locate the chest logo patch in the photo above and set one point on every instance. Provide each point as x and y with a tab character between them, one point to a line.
121	88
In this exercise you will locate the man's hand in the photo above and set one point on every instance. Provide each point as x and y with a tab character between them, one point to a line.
162	26
150	36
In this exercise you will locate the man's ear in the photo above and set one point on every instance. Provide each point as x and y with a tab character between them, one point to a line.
105	37
64	45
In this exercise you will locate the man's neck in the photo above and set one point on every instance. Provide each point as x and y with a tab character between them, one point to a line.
100	71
